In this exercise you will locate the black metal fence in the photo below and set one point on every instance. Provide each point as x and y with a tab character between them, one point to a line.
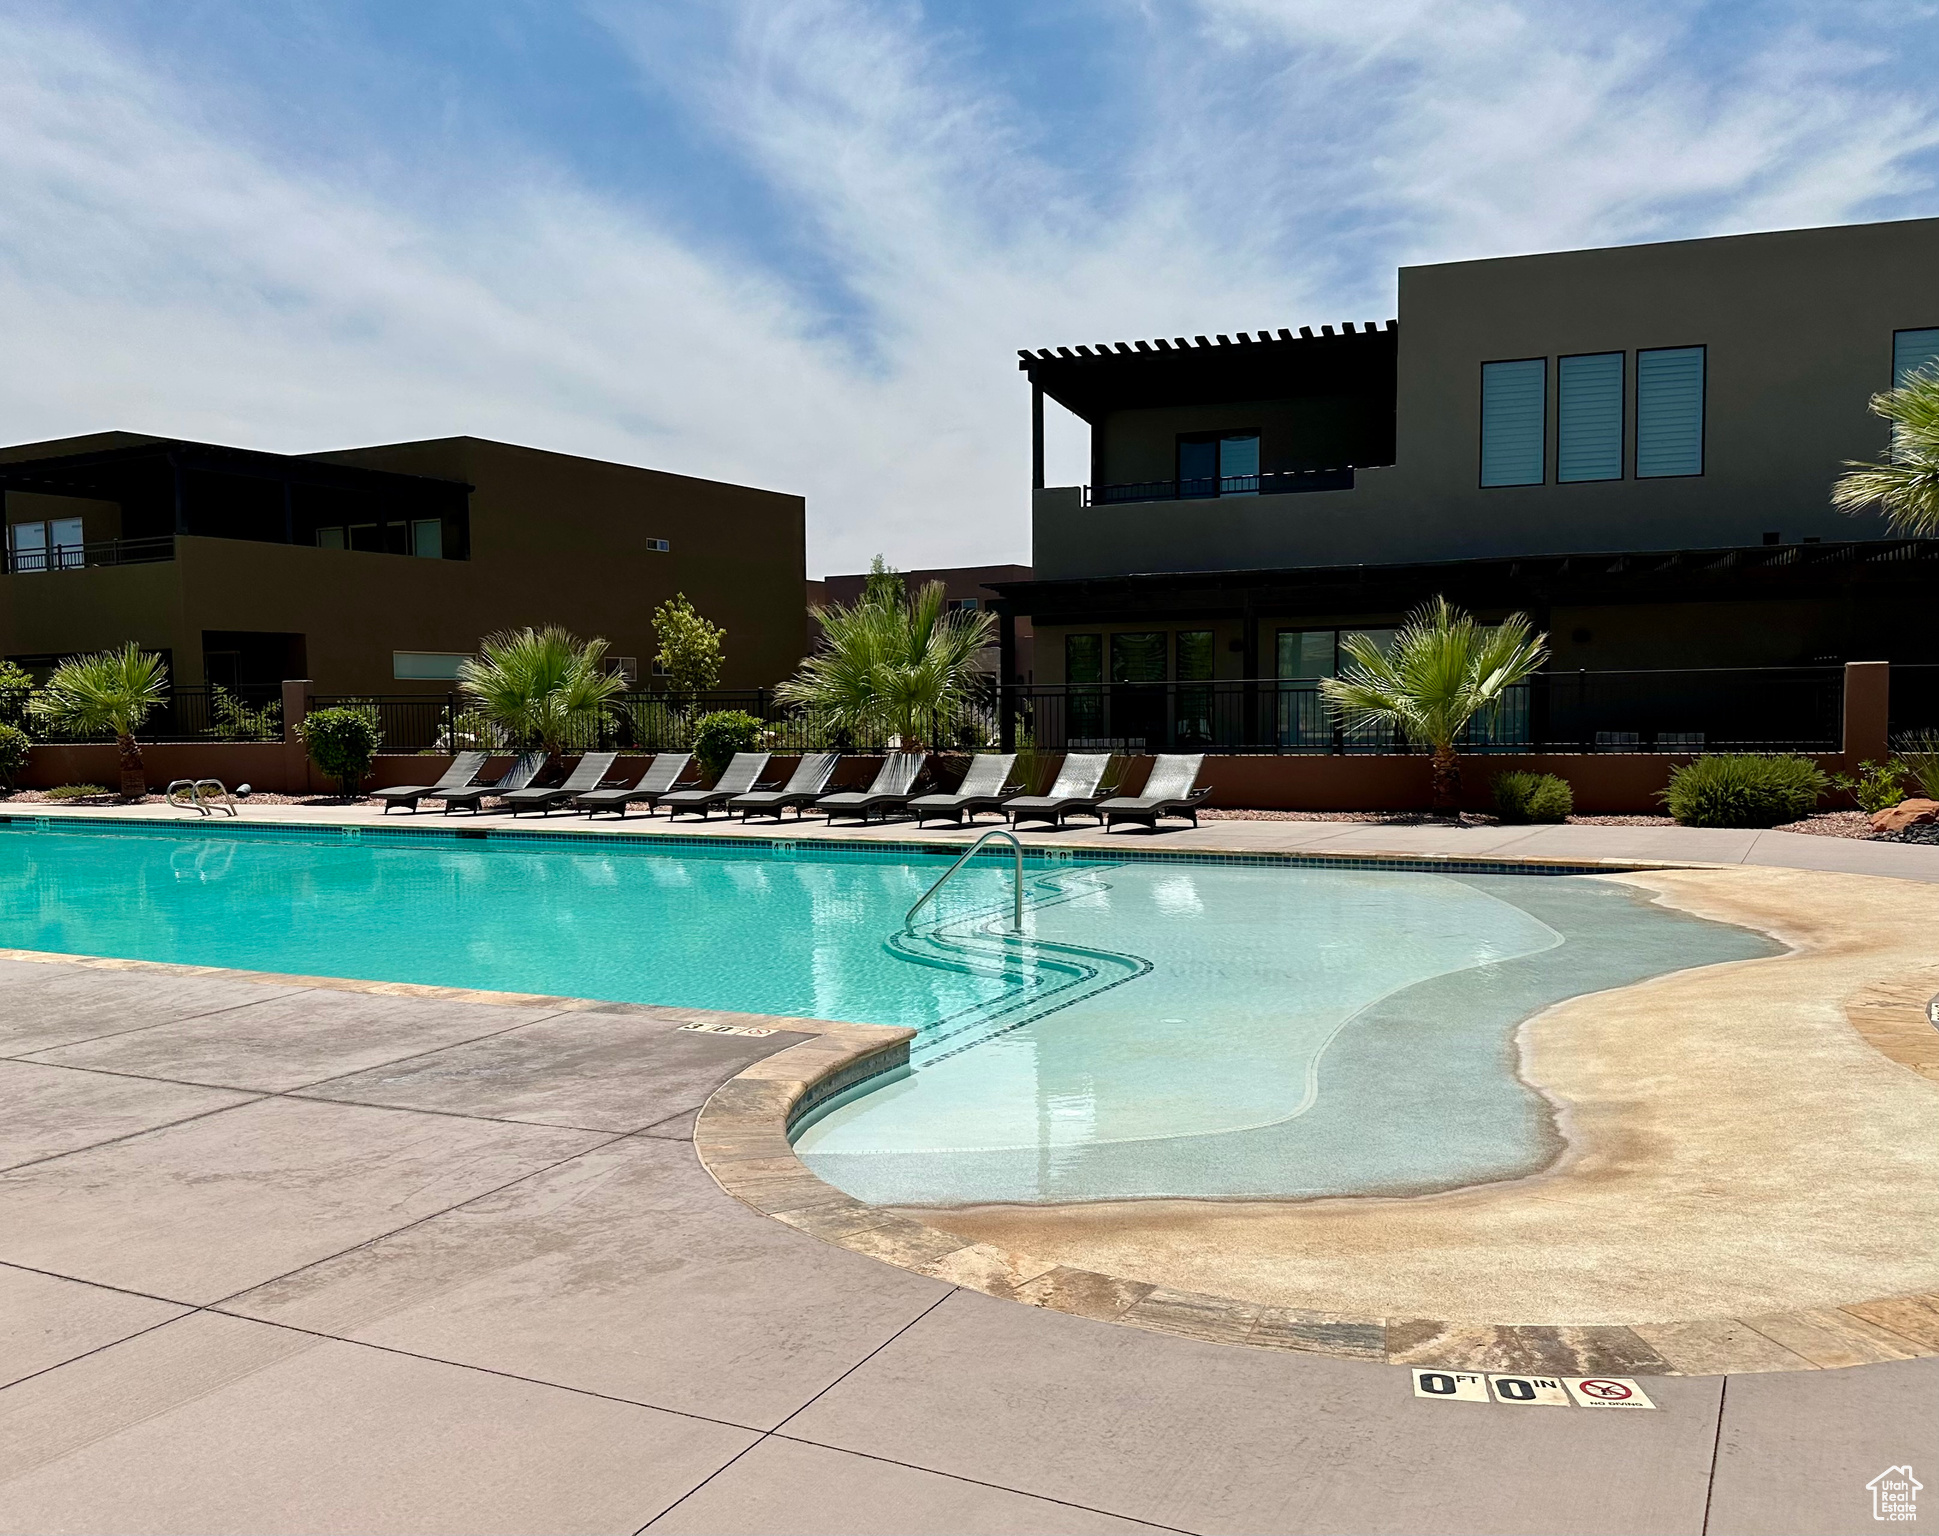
201	713
1763	709
1712	710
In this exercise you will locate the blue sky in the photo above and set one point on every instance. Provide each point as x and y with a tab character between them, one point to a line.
798	242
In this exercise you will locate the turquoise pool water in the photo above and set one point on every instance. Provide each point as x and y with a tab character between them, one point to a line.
1162	1028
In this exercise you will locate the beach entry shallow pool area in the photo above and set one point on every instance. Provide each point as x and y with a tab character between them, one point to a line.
1161	1028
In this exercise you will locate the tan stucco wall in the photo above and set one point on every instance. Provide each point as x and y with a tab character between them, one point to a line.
1798	330
554	539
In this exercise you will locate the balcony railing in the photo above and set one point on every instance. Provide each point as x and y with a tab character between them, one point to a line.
1274	483
75	557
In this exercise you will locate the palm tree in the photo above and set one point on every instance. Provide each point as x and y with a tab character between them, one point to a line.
1906	487
893	664
544	685
1442	671
107	691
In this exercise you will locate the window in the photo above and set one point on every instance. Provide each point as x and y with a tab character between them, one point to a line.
659	546
47	546
964	604
1219	464
1589	417
27	547
1911	351
1084	666
330	538
426	666
1513	405
427	538
1192	712
1138	658
1669	412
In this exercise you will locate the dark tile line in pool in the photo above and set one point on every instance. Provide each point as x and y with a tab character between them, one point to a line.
834	848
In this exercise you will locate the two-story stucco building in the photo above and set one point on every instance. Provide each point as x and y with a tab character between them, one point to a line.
1634	446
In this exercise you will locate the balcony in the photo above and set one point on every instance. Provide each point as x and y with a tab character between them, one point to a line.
1212	487
76	557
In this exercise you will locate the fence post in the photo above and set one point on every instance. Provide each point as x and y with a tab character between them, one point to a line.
296	756
1868	711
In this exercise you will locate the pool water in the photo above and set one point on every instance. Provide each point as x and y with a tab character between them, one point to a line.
1162	1028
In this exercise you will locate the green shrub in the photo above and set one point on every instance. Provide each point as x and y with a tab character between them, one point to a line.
1877	787
15	744
1920	754
16	688
1744	791
342	742
236	721
76	791
717	737
1523	797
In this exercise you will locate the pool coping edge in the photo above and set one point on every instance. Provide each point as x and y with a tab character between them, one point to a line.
741	1138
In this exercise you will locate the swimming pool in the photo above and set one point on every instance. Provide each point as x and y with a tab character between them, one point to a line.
1163	1028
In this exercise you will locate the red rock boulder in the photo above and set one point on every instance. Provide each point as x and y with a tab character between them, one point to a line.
1907	813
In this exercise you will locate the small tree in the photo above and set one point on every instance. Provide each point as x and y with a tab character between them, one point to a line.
16	689
690	651
343	742
107	692
1906	487
544	685
1443	671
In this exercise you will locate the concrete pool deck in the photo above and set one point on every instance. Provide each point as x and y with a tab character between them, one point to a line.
278	1254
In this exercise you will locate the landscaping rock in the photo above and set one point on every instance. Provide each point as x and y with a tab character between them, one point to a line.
1907	813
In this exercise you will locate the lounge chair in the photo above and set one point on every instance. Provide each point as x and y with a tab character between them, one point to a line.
661	775
893	789
1171	789
1075	790
589	775
805	785
737	778
522	772
464	768
981	790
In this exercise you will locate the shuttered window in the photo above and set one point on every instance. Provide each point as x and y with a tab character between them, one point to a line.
1512	408
1589	417
1911	351
1669	412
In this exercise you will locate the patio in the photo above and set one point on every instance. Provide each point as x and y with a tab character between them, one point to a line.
287	1254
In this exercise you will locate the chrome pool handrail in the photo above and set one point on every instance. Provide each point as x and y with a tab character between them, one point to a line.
1016	849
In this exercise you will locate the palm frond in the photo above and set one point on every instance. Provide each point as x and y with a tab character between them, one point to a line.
1905	489
1440	672
105	693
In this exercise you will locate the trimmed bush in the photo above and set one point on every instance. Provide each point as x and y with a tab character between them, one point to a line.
717	737
1746	791
1524	797
15	744
342	743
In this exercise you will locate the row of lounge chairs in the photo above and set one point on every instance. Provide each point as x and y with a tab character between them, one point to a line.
1171	789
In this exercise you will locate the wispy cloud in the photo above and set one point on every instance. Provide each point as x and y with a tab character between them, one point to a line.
164	270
